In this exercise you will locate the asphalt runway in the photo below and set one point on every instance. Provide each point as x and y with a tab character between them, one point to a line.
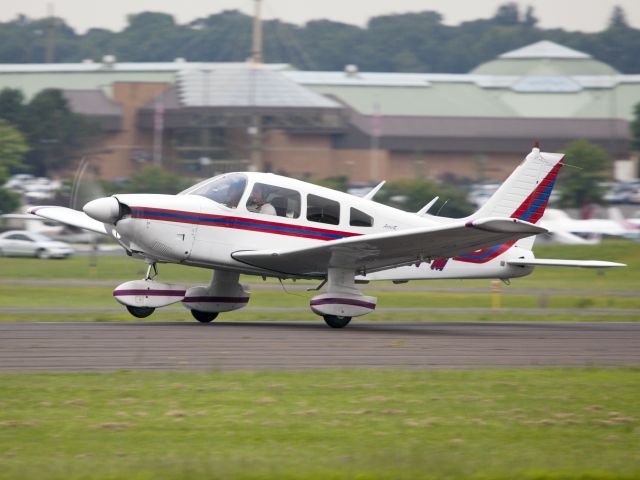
298	346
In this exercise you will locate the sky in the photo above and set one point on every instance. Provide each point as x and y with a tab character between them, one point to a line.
82	14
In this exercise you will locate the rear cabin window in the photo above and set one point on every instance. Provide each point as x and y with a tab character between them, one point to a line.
358	218
322	210
272	200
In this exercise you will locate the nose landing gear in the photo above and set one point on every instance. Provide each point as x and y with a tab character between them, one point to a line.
142	297
204	317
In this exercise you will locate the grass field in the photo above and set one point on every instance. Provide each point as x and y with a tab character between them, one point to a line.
332	424
544	423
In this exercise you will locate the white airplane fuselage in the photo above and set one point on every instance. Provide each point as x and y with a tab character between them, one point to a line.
269	225
194	230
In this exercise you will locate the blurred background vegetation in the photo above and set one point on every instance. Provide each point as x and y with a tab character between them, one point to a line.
411	42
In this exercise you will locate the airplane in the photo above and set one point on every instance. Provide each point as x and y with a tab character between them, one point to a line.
566	230
273	226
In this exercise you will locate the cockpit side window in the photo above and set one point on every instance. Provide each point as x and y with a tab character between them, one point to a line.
226	190
360	219
274	200
322	210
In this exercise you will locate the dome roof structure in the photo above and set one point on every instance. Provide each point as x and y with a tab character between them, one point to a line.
546	59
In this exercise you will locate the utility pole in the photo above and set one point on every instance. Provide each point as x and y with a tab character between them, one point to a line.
256	55
50	45
374	143
158	127
256	62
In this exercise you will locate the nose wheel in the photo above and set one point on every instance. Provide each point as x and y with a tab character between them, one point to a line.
140	312
204	317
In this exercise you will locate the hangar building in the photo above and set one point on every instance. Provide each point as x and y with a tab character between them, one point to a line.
207	118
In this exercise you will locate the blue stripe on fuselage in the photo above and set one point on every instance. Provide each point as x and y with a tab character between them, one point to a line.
222	221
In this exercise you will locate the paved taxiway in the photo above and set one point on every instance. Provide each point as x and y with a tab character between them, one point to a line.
270	345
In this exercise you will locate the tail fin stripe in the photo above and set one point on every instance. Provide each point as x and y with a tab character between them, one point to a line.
530	210
537	207
486	254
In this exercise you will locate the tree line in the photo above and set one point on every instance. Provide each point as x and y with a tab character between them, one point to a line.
39	136
411	42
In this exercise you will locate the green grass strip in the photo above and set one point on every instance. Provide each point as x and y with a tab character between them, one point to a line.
478	424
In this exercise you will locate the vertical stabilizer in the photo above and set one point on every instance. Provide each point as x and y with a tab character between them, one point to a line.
525	194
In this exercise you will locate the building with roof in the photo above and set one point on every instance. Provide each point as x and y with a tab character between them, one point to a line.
206	118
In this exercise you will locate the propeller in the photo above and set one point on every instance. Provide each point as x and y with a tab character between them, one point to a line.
86	184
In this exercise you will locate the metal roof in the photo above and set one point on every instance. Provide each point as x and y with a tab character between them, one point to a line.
563	84
246	87
85	67
558	83
545	49
91	102
95	104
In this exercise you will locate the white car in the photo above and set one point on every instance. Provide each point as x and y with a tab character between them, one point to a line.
21	243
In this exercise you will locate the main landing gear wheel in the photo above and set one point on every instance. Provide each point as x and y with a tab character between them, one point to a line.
140	312
204	317
335	321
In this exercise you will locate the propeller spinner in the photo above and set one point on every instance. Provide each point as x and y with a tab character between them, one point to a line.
105	210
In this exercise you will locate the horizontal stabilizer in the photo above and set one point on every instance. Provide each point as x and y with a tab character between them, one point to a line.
550	262
69	216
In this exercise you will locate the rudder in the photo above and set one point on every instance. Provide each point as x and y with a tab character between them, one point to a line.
525	194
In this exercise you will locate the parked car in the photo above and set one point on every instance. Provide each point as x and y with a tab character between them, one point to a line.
21	243
623	192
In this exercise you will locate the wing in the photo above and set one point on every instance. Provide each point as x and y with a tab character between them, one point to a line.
390	249
550	262
69	216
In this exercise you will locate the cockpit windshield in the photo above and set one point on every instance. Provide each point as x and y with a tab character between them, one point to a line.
226	189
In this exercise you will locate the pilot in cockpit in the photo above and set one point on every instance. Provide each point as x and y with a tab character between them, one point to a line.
257	203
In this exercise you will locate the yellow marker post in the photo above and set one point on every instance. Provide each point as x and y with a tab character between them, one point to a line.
496	297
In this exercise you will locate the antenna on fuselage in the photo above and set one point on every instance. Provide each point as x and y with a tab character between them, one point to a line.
371	193
442	206
426	208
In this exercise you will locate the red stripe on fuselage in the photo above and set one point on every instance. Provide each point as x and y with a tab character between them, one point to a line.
225	221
